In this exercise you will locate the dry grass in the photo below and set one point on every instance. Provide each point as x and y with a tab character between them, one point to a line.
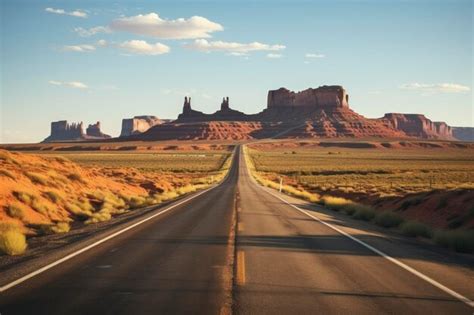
37	178
12	241
7	173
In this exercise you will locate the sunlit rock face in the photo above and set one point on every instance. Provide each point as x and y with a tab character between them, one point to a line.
417	125
138	124
323	97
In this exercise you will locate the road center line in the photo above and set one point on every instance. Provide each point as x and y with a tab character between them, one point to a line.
240	267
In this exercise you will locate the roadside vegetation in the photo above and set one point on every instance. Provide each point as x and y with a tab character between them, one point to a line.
50	194
396	190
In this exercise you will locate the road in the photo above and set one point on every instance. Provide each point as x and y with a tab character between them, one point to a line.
284	261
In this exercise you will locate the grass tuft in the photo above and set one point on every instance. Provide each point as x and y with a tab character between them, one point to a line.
388	219
7	173
415	229
12	241
460	241
37	178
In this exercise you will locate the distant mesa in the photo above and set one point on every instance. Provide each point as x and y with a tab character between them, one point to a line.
93	130
321	112
324	97
464	133
63	131
417	125
138	124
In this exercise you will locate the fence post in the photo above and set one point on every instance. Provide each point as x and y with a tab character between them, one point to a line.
281	183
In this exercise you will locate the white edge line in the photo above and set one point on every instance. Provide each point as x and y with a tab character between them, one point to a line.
80	251
433	282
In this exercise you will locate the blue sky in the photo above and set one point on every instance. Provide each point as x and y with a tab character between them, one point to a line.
108	60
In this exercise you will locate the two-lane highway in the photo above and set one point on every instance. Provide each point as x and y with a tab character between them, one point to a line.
285	262
180	262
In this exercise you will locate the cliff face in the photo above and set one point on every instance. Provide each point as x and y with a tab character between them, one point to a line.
62	130
323	97
138	124
417	125
464	133
94	131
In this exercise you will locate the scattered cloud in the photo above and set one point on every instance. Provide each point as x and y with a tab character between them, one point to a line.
314	55
141	47
83	32
76	13
238	54
274	56
231	47
79	48
71	84
152	24
436	88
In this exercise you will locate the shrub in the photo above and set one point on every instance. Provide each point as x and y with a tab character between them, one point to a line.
60	227
335	203
76	177
100	216
388	219
136	202
364	213
37	178
23	197
7	173
53	196
414	229
12	241
40	206
16	210
78	211
460	241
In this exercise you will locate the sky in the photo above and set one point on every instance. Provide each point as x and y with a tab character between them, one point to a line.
108	60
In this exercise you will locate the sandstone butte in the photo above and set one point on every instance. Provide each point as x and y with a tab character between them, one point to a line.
322	112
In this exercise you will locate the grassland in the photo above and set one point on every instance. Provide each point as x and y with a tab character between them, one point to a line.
419	191
389	172
54	192
176	162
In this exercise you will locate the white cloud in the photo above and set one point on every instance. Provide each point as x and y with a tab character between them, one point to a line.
313	55
436	88
79	48
83	32
76	13
141	47
71	84
152	24
274	56
232	47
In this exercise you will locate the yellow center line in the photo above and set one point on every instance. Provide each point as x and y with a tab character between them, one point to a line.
240	267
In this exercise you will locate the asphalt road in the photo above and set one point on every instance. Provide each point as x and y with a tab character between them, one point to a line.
283	262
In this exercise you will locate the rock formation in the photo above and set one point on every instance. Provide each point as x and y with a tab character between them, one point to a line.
93	130
417	125
321	112
323	97
464	133
225	104
138	124
62	130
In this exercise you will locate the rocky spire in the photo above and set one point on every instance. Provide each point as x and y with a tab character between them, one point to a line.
225	103
187	105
